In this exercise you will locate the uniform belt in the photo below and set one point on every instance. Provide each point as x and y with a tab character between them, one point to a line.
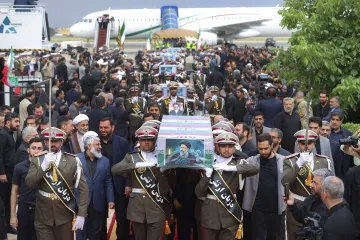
138	190
210	196
52	196
298	197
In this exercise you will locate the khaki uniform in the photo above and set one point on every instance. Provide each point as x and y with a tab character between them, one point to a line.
217	222
215	107
52	219
291	171
135	118
167	100
148	219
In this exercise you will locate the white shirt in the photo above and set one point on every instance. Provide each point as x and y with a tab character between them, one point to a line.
80	141
221	161
149	156
173	98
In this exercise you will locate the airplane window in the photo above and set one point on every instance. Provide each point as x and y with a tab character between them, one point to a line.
90	20
86	20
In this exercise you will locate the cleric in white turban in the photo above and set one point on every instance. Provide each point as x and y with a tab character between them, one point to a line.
81	123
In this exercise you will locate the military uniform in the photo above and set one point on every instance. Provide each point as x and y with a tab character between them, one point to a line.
218	223
299	178
53	220
193	104
165	102
216	107
147	217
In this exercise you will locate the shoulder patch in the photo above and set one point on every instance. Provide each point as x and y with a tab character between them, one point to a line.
40	154
321	156
70	154
292	155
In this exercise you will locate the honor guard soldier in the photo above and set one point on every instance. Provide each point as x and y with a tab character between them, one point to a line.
135	76
148	209
144	68
298	169
215	105
193	103
172	98
181	75
221	215
57	174
157	95
135	106
154	74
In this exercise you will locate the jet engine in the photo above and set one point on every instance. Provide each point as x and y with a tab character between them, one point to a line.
246	33
211	38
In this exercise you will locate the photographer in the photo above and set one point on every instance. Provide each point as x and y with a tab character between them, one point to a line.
312	204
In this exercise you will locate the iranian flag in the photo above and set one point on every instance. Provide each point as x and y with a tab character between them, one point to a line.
8	77
122	34
199	43
148	43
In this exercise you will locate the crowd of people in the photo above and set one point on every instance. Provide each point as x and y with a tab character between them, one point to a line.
279	163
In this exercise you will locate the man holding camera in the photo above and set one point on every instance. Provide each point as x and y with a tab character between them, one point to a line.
298	170
312	204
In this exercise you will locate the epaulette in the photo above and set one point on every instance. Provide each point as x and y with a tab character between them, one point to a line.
70	154
180	97
322	156
292	155
40	154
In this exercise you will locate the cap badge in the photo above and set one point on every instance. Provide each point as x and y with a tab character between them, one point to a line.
146	133
227	138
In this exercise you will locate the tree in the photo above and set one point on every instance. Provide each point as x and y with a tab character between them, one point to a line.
324	47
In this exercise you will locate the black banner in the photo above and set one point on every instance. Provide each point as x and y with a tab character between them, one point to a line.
304	179
60	188
224	195
149	183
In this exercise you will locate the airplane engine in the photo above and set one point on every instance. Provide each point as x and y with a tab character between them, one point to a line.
246	33
211	38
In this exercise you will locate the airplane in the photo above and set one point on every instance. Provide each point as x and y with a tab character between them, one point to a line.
215	24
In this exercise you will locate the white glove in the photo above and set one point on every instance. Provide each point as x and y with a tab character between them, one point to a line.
145	164
134	99
214	98
50	157
304	157
208	171
226	168
79	223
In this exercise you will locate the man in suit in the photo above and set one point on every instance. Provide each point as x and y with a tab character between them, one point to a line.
52	173
81	123
115	148
96	114
259	127
270	107
147	211
216	219
27	134
297	173
101	193
176	111
65	124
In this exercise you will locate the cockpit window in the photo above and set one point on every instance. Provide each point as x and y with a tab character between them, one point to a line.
90	20
85	20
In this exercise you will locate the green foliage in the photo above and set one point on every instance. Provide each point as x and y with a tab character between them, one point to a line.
324	47
353	127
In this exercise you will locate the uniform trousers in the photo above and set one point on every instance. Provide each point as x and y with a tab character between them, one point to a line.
93	225
61	232
266	226
122	228
151	231
222	234
26	218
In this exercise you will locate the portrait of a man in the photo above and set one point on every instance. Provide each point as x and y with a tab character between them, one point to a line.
183	156
176	110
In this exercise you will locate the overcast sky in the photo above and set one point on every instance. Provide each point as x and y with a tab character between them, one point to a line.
64	13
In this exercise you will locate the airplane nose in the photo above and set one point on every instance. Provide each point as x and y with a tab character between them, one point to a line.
75	30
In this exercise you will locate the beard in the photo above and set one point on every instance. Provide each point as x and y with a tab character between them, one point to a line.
241	136
96	153
81	132
183	154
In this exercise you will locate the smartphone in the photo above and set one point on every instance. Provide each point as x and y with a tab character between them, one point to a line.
286	191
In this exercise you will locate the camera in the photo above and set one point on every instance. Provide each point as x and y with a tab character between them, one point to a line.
351	140
311	229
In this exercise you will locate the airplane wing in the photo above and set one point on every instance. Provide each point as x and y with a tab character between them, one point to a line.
236	27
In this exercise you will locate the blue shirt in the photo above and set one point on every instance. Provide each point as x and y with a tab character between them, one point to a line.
26	195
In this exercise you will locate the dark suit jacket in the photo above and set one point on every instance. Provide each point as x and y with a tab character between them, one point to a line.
216	79
121	127
88	84
100	186
95	115
270	107
21	153
71	96
61	72
120	148
173	113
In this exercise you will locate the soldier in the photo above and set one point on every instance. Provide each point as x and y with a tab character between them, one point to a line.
172	98
57	174
181	75
145	76
221	215
156	98
147	209
135	106
193	103
298	169
215	105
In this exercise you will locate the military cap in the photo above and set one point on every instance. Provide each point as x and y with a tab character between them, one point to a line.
54	133
155	121
151	124
301	135
180	67
214	89
173	85
134	88
227	138
221	126
146	132
156	66
158	89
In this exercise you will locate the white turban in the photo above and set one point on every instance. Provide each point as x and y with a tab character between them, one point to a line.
79	118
